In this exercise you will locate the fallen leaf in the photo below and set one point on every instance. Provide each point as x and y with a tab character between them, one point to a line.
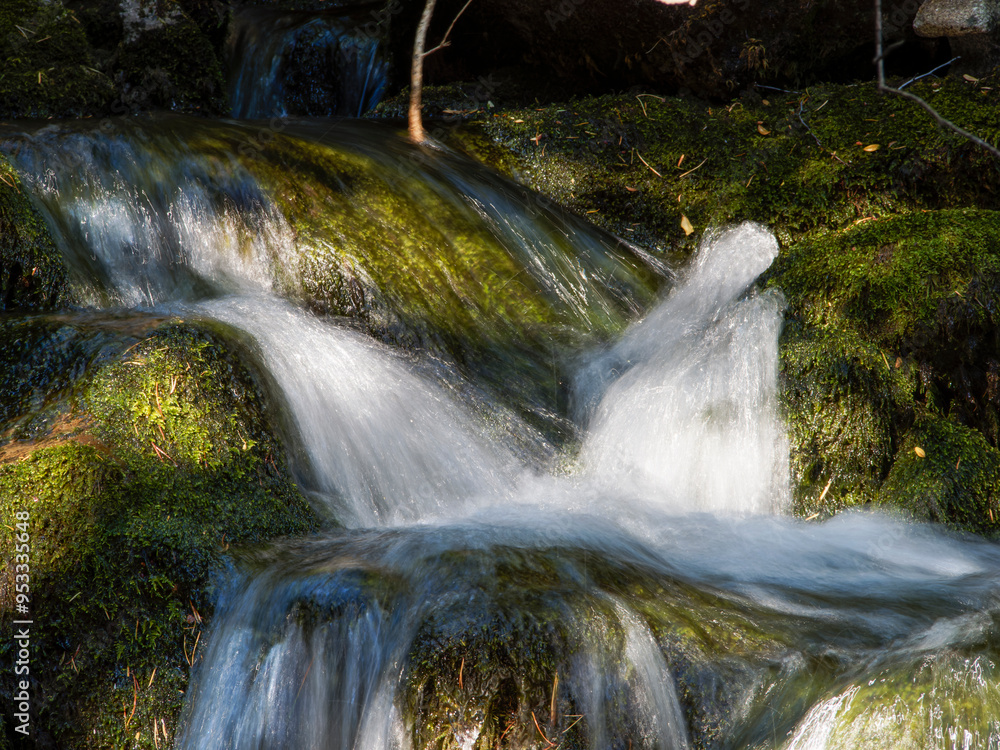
872	147
919	451
631	189
970	79
762	130
686	225
517	121
765	102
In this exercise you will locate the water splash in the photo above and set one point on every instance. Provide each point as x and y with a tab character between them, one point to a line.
386	445
690	413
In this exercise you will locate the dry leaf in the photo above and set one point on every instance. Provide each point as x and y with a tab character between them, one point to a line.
517	121
872	147
686	225
762	130
631	189
970	79
919	451
899	362
765	102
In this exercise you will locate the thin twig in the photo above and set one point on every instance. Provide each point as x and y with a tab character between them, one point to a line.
647	164
802	104
692	170
930	72
775	88
444	39
880	69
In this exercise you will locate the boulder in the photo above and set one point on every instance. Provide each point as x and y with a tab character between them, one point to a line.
969	25
136	456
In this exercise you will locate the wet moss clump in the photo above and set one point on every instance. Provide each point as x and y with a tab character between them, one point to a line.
948	473
888	319
890	711
32	274
165	463
48	68
843	405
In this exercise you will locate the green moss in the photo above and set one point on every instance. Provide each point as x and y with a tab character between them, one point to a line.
128	518
32	273
843	401
956	480
884	279
892	709
587	156
172	66
888	317
48	70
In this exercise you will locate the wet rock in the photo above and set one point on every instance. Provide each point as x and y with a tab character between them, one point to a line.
32	274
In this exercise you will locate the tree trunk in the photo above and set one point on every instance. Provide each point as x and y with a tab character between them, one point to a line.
416	125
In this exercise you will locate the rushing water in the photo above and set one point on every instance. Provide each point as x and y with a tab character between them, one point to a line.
636	585
307	63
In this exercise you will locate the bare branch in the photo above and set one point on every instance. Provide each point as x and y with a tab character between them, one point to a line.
880	68
444	39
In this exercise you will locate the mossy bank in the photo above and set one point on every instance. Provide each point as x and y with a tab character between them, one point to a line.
888	230
134	458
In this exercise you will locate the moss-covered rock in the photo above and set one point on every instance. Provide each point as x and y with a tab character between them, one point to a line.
155	461
916	295
48	68
844	405
943	699
165	61
32	273
946	472
637	163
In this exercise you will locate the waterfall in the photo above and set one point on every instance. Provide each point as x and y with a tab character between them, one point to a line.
296	63
390	446
632	584
690	411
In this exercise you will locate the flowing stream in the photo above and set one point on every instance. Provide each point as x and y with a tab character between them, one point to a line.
627	578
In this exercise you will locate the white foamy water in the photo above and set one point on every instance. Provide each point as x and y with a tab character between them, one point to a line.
137	232
386	445
687	400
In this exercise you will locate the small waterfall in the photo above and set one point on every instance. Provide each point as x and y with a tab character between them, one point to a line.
472	594
690	412
326	63
144	221
391	446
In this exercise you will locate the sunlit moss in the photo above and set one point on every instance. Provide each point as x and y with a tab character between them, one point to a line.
170	463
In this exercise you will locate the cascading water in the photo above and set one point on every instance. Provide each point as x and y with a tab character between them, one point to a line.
643	595
295	63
